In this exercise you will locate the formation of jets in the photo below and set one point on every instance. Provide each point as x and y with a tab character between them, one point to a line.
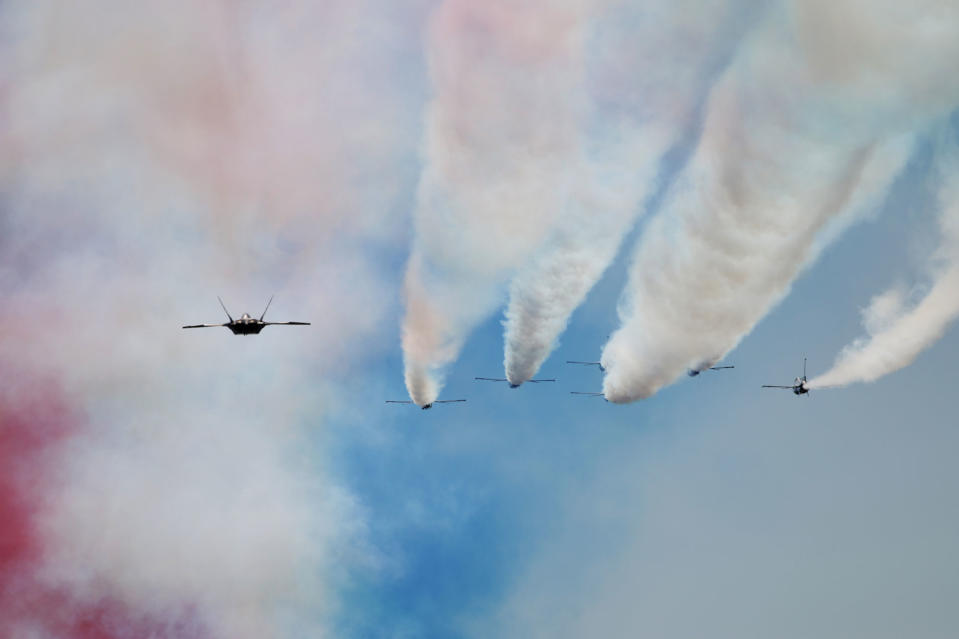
800	385
691	373
248	325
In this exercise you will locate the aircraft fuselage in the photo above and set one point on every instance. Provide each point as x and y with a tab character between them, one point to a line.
246	325
251	328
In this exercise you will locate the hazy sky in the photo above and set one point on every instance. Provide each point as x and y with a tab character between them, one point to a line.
771	179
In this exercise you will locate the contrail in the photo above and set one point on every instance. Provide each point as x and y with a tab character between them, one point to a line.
502	141
637	119
899	332
797	132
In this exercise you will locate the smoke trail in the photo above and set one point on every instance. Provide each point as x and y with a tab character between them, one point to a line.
638	114
502	142
545	292
899	332
792	138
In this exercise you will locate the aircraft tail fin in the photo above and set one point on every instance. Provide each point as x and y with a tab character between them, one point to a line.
224	308
267	308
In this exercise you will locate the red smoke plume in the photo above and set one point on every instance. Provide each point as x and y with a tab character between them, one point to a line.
35	419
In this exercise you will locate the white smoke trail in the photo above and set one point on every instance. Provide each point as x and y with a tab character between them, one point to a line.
545	292
793	134
640	112
899	332
502	143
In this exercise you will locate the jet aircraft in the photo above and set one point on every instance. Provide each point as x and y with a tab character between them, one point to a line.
425	406
799	386
597	364
247	325
511	384
693	372
589	394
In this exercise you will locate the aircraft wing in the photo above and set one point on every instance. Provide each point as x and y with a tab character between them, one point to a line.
396	401
768	386
204	325
582	394
491	379
719	368
287	323
539	381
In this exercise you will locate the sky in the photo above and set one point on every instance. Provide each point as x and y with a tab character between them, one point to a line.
451	189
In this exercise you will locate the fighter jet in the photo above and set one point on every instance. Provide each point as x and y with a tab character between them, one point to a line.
247	325
512	385
425	406
589	394
799	386
693	372
598	364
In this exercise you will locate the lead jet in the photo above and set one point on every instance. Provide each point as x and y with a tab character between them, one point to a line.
511	384
425	406
247	325
693	372
799	386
